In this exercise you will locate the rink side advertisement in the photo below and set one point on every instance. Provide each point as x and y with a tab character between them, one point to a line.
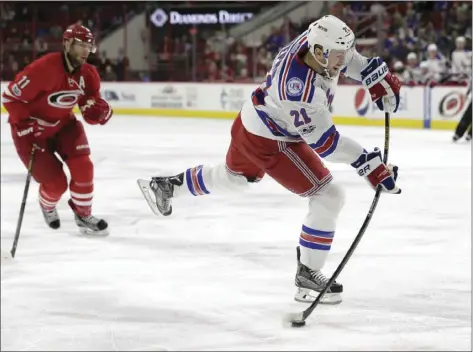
420	107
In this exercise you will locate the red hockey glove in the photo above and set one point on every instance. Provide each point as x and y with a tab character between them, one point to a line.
376	172
383	86
28	129
31	131
96	112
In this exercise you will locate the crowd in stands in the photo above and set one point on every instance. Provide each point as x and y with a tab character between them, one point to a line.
428	42
28	31
422	42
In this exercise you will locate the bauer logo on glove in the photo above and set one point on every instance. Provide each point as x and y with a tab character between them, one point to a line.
370	166
384	88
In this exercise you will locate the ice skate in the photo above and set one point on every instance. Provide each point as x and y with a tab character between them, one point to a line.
162	190
51	217
89	225
310	282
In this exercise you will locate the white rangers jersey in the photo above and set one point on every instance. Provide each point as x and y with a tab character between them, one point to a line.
293	104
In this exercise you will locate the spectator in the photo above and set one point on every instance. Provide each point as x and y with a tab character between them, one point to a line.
426	36
261	75
109	75
412	18
436	63
263	60
377	7
399	49
103	62
123	63
399	69
240	59
26	62
12	64
461	59
228	75
7	12
387	43
243	77
56	31
288	30
413	72
41	46
445	43
424	72
275	41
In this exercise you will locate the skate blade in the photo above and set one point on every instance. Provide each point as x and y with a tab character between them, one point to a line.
308	296
146	190
90	233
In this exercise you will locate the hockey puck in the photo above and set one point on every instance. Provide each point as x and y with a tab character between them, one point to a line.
298	324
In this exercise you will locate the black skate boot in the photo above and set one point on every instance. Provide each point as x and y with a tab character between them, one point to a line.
51	217
163	190
89	225
310	282
455	137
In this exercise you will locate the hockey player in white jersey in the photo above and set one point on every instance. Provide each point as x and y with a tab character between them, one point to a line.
284	130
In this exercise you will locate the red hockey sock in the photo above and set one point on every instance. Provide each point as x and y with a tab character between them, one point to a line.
50	193
82	184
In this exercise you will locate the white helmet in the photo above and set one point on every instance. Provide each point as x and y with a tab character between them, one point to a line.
330	33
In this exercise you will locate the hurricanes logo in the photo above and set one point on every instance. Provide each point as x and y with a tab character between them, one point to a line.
451	104
65	99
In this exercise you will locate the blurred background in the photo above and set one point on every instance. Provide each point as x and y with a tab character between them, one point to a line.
209	41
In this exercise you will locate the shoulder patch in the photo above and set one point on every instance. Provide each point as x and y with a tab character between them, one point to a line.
294	86
16	90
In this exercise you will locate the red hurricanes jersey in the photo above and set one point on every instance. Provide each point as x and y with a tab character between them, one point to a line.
45	91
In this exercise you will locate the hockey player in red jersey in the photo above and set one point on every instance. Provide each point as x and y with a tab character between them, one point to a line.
39	102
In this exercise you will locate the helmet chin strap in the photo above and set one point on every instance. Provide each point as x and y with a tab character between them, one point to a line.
325	71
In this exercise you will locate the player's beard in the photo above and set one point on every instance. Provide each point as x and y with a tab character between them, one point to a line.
74	61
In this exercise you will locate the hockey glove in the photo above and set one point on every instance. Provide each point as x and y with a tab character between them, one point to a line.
96	112
32	132
383	86
27	129
376	172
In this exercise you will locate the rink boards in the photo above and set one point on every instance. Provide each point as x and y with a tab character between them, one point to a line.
420	107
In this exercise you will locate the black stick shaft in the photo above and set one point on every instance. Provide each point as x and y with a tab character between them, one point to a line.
23	203
363	228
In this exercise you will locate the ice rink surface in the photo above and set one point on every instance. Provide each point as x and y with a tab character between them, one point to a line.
219	273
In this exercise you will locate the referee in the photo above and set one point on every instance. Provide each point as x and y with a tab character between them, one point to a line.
465	122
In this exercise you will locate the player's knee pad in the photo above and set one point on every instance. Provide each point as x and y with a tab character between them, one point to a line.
81	168
227	179
325	205
56	187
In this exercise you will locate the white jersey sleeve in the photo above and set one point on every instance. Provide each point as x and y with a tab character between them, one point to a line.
293	104
354	64
314	124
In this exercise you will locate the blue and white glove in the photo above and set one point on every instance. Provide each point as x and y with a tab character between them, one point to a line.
371	166
383	86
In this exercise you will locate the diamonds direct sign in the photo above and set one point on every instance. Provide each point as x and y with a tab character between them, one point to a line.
160	17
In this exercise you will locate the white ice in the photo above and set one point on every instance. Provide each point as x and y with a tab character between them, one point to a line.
219	273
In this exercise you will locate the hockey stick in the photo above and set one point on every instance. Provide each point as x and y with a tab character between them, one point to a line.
23	203
298	319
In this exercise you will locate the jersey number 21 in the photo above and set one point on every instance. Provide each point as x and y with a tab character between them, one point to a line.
300	117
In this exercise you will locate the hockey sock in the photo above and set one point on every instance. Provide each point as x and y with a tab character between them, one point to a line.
50	193
82	184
